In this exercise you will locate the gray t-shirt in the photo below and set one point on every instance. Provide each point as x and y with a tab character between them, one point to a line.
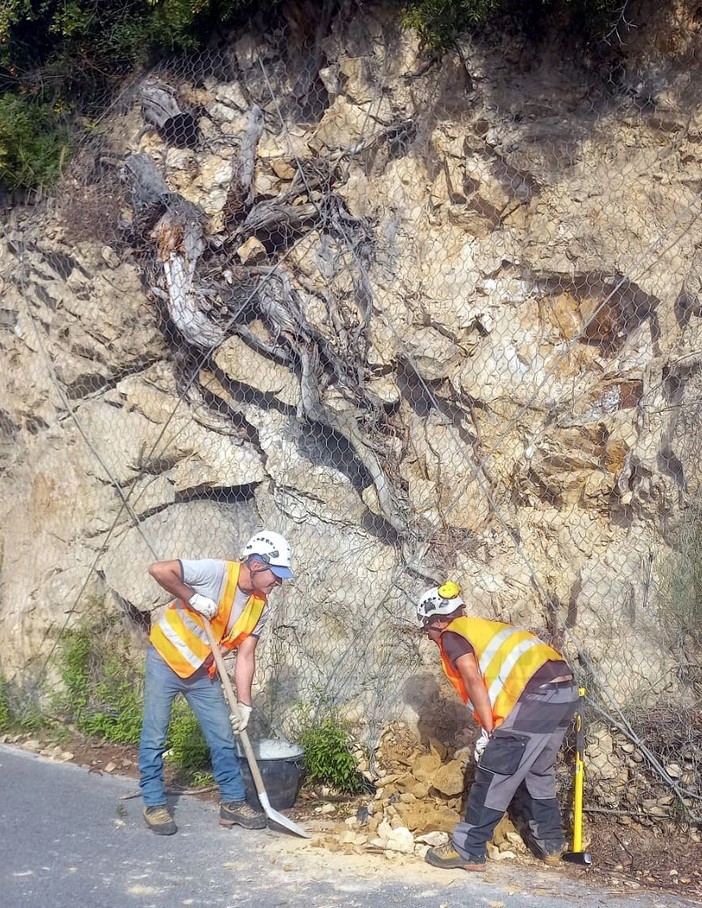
208	576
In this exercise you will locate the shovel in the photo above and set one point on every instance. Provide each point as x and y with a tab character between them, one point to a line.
273	815
577	855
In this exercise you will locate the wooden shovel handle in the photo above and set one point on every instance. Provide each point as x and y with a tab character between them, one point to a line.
231	699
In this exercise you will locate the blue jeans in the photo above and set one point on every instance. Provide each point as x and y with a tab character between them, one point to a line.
205	698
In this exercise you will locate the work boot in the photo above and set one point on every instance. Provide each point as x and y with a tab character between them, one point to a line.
548	853
239	813
159	820
447	857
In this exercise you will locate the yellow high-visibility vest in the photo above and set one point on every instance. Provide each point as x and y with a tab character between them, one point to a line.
507	658
180	638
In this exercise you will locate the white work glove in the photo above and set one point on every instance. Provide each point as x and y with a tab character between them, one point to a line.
203	605
481	744
240	722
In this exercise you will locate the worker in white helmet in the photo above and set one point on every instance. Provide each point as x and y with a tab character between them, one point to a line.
233	596
523	696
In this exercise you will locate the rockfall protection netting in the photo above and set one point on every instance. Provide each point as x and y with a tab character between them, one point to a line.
428	319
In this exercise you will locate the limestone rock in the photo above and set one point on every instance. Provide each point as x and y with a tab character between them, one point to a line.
241	363
448	779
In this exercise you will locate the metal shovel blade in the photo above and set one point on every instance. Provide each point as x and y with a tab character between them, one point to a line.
272	815
275	817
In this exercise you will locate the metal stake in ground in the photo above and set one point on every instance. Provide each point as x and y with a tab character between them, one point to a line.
273	815
577	855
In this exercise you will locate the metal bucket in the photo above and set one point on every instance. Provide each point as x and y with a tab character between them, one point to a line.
281	766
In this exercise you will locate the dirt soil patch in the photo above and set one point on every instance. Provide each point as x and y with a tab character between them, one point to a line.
625	856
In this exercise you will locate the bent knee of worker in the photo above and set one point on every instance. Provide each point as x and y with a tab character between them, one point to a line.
489	792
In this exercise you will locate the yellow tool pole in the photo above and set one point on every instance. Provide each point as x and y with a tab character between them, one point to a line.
579	777
577	855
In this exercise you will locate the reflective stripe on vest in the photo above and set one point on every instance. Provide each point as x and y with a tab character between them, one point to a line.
507	658
180	638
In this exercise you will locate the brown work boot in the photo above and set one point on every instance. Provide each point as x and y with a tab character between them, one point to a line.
239	813
447	857
549	852
159	820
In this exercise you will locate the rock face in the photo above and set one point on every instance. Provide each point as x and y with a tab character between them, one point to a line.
426	320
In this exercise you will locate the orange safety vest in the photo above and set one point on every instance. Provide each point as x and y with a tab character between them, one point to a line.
180	638
507	658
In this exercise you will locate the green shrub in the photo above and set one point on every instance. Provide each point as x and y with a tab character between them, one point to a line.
102	698
101	691
440	22
679	590
19	709
5	711
326	741
187	748
34	143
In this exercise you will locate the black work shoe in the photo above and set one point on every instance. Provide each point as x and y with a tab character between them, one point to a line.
447	857
239	813
159	820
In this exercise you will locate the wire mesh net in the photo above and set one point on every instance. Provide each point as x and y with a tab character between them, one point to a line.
427	321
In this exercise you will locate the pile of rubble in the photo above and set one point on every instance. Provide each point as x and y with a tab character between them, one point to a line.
420	793
418	800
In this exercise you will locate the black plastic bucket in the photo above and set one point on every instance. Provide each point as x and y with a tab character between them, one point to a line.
280	764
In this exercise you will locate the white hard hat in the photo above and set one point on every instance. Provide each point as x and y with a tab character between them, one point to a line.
271	549
439	600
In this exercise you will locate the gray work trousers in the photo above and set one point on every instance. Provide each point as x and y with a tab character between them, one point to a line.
521	754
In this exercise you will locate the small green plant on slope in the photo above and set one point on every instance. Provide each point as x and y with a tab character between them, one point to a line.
34	143
326	741
5	711
679	598
102	698
440	22
101	693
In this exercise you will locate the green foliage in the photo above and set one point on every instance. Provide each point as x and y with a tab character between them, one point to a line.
440	22
30	719
5	711
680	585
34	143
66	35
187	748
102	698
101	692
326	741
19	711
61	55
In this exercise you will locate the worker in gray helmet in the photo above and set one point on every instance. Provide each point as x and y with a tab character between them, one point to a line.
523	696
233	596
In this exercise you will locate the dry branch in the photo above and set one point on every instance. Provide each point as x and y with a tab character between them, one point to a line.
241	188
160	109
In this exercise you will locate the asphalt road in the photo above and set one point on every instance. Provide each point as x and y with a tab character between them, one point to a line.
68	839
